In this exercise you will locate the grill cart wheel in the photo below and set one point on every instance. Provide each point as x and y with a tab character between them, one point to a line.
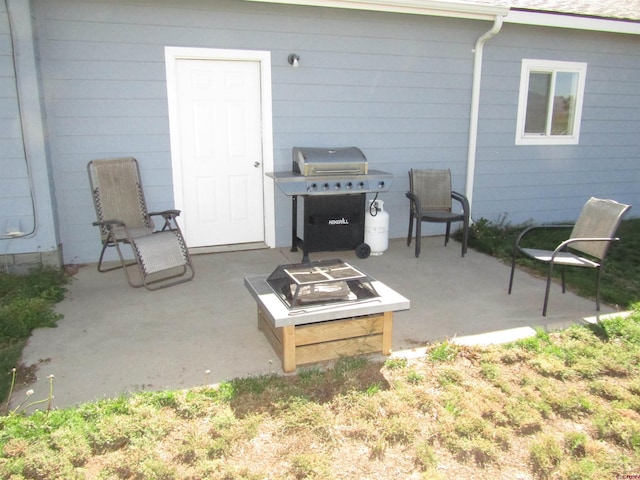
363	250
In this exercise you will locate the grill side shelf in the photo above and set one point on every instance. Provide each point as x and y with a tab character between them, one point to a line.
291	183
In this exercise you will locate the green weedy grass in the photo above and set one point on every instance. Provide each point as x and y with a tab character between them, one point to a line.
311	465
442	352
546	455
426	459
395	363
576	444
26	303
414	377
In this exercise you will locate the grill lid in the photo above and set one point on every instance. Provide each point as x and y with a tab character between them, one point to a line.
311	161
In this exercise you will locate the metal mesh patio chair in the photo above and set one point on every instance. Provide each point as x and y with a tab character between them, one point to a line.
587	245
161	255
430	197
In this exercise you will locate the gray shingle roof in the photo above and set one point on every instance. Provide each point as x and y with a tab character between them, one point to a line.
614	9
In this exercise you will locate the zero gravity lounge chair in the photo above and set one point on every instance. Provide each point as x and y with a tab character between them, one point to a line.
161	255
587	245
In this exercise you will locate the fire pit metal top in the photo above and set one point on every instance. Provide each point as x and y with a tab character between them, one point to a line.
320	283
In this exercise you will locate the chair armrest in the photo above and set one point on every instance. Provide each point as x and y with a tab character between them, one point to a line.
169	216
528	230
109	223
415	201
166	214
568	242
108	230
463	201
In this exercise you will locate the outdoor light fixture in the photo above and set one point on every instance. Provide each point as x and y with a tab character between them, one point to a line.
294	60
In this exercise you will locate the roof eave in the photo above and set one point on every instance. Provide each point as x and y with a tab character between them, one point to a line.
458	9
438	8
558	20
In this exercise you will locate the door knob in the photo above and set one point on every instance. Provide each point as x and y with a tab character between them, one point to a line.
256	164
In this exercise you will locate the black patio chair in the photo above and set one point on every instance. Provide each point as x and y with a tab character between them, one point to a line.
587	245
430	196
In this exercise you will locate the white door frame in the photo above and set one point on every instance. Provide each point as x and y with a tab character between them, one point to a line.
172	54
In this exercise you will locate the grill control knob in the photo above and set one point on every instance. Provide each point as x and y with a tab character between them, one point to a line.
349	185
361	185
381	184
326	186
314	187
337	186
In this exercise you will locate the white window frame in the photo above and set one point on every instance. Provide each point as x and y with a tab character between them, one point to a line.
553	67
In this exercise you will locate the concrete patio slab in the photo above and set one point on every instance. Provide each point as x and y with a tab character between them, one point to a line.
115	339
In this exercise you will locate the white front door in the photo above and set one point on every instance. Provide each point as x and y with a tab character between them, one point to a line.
218	150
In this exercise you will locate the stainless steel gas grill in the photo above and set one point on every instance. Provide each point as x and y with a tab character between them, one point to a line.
333	184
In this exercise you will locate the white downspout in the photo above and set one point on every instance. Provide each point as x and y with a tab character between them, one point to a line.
475	106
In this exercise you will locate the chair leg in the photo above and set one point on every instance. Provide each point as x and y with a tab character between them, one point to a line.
447	233
418	236
125	267
104	248
465	236
110	269
513	267
598	289
546	293
410	229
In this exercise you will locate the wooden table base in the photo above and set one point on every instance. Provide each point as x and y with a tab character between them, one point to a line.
316	342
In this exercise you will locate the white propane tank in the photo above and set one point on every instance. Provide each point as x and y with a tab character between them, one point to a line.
376	227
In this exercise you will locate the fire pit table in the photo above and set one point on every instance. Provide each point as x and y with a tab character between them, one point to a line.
319	311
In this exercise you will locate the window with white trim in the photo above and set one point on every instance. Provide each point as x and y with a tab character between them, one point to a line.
550	104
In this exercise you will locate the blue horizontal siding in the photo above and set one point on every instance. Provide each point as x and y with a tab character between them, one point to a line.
397	86
550	183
